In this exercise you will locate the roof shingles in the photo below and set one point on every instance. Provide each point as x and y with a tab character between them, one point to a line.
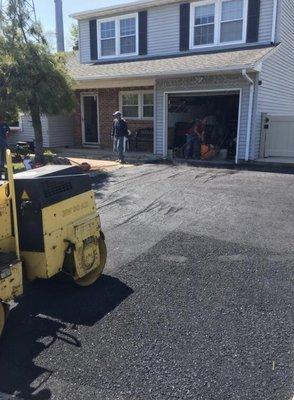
172	66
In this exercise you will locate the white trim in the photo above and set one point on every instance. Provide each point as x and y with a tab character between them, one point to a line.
154	119
239	125
274	24
217	23
117	37
124	8
140	94
82	96
250	113
165	113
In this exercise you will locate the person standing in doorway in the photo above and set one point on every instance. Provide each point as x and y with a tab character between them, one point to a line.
119	133
4	131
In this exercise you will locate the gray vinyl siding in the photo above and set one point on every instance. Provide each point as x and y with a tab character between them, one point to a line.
26	133
164	30
266	19
276	95
60	130
201	83
57	131
84	41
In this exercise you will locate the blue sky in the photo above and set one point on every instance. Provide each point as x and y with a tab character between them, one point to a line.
45	12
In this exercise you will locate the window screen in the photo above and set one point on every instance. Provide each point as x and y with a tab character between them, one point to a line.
128	35
107	32
232	21
204	24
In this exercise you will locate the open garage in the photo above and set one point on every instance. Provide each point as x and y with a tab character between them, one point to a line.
203	125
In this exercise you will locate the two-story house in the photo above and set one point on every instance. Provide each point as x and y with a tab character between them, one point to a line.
168	64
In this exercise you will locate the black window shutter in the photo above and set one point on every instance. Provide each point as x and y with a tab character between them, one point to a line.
253	21
143	32
184	26
93	39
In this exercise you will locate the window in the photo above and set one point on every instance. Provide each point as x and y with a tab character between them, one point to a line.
137	105
204	25
107	38
218	21
128	35
118	36
130	105
148	105
232	21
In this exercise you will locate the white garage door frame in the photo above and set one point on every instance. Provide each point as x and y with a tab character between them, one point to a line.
211	91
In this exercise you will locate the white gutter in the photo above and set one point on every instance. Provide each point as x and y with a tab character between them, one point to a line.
250	113
274	24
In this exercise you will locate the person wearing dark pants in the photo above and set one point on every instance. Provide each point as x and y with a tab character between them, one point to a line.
194	138
4	131
119	133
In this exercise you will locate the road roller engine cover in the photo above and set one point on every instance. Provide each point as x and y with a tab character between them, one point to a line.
53	210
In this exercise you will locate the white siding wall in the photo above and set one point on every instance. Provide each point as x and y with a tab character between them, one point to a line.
276	95
84	41
201	83
164	30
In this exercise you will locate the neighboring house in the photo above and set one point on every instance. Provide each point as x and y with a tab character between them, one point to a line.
166	63
57	130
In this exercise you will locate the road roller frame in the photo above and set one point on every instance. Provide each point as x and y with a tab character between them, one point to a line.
49	226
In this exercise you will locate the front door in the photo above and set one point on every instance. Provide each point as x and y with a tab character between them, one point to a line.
90	119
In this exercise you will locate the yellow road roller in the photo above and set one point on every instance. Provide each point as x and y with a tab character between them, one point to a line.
49	226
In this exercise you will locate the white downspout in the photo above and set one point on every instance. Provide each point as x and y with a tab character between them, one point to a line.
274	24
250	113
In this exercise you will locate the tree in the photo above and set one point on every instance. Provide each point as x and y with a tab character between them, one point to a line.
31	78
74	36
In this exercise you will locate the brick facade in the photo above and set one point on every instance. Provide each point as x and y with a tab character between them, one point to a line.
108	103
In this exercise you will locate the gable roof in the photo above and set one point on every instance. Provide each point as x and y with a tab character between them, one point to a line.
121	8
205	63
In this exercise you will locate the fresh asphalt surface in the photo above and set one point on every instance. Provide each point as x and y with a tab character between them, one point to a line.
196	301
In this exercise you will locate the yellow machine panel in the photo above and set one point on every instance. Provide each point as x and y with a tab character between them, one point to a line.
11	281
70	221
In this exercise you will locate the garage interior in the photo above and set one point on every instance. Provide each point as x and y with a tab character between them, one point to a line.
203	126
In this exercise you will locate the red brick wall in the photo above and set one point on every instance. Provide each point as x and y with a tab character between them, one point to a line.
108	103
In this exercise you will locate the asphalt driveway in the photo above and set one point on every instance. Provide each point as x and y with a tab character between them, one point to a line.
196	301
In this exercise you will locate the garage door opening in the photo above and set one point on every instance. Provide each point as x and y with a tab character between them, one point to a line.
203	126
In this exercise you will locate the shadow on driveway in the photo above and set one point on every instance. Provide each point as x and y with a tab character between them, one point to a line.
50	312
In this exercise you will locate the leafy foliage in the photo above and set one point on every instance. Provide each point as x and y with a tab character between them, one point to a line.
74	34
32	79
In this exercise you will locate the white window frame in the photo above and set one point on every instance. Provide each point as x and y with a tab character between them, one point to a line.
140	94
117	35
217	23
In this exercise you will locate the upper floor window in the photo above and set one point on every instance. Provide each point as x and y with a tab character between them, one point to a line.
118	36
204	24
232	21
215	22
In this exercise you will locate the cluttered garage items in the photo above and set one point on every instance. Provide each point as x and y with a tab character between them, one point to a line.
203	126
